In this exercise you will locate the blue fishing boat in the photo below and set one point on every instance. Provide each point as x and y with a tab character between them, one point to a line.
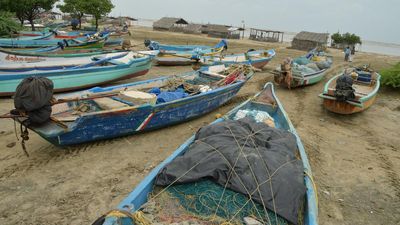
109	68
153	45
33	42
15	63
257	59
132	210
141	106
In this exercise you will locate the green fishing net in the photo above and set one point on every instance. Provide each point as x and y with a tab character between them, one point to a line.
203	198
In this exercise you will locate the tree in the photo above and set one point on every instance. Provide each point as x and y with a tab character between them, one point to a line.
7	24
76	8
29	9
347	38
98	8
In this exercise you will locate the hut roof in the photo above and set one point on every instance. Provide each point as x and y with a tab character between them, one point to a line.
216	28
193	27
168	22
314	37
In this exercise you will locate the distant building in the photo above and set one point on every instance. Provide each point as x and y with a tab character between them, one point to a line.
193	28
221	31
121	20
170	24
309	40
266	35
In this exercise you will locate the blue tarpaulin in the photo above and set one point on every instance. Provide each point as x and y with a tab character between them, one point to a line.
168	96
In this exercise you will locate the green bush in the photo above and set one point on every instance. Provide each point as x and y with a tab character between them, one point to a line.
391	76
7	24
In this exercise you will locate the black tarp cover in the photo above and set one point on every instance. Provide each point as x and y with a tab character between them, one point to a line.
216	149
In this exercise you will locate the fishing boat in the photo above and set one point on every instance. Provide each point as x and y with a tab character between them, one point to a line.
15	63
302	71
362	92
153	45
140	106
113	42
98	71
257	59
55	52
40	36
40	43
134	209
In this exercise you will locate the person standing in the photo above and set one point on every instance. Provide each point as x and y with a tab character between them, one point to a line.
347	52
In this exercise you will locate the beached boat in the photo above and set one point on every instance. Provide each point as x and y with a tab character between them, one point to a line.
133	209
99	71
41	43
58	34
190	95
14	63
55	52
302	71
113	42
153	45
257	59
365	87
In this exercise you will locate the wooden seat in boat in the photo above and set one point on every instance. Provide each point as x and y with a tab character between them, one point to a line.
109	103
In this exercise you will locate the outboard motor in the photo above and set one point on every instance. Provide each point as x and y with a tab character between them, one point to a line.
33	99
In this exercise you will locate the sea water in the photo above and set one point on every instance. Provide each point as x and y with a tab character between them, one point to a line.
367	46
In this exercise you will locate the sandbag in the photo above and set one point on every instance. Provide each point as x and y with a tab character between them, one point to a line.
33	96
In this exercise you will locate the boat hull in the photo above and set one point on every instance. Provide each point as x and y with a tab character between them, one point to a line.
300	81
67	80
172	61
346	108
132	121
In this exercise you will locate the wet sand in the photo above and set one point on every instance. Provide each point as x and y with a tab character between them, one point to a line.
355	159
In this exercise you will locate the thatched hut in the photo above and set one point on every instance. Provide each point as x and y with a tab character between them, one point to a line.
309	40
170	24
193	28
221	31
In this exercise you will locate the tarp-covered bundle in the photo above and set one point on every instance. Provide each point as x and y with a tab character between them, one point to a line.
265	163
344	88
33	96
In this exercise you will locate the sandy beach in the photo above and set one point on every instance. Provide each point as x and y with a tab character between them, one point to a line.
355	159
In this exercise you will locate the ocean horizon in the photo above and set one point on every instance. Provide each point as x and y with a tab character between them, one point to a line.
368	46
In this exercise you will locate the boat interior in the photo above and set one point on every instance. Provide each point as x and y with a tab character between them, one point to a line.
20	66
98	100
364	83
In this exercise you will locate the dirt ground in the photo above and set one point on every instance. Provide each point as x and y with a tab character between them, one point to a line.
355	159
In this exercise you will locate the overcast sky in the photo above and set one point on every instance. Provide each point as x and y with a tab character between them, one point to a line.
376	20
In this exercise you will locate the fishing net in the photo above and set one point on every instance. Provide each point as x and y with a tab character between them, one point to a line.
203	198
205	202
201	186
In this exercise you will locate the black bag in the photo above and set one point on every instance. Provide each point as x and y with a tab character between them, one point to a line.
33	96
344	88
